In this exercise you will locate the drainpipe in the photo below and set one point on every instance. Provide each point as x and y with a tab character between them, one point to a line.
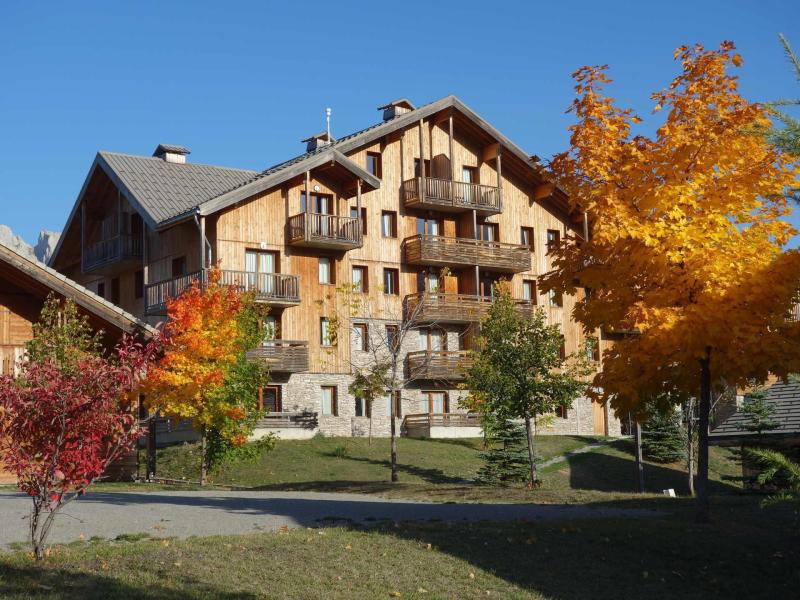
204	243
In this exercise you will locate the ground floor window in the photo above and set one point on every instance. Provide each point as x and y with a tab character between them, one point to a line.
561	412
329	400
438	402
363	409
269	398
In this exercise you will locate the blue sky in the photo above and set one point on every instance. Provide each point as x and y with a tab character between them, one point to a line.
241	83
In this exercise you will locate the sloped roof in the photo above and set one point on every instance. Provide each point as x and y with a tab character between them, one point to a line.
22	267
164	189
785	397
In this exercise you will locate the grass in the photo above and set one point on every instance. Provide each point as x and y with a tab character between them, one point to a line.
748	553
443	470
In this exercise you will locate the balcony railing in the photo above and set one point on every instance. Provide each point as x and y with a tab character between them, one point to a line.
451	196
288	420
281	356
275	289
441	251
443	420
316	230
113	250
438	364
432	307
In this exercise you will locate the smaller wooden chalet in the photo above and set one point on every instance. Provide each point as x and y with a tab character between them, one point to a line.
24	286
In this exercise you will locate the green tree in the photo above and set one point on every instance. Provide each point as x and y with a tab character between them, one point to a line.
757	412
506	456
519	371
780	471
370	382
663	439
787	136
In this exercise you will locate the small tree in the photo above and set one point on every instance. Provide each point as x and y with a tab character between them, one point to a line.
368	384
506	456
758	412
780	471
66	418
662	437
519	372
204	374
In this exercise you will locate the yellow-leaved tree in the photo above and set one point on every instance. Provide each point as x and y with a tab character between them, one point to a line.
687	247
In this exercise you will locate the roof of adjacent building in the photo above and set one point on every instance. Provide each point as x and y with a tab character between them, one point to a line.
785	397
22	267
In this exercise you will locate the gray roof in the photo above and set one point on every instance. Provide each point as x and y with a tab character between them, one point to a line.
785	397
163	189
173	148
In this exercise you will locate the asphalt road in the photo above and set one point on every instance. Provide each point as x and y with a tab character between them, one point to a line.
183	514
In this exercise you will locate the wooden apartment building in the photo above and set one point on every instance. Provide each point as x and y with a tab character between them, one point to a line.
417	215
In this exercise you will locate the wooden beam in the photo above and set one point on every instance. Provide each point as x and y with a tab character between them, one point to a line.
450	149
544	190
500	175
491	151
202	242
421	159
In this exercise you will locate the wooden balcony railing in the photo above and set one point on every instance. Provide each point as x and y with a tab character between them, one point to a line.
281	356
112	250
438	250
442	420
432	307
284	420
276	289
438	364
324	231
451	196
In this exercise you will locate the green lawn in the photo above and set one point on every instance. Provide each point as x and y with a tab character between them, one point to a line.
444	470
747	553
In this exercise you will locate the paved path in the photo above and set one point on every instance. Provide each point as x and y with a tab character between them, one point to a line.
581	450
181	514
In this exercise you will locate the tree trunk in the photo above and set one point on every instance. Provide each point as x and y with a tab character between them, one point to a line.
639	463
690	444
203	457
370	425
531	454
392	427
703	508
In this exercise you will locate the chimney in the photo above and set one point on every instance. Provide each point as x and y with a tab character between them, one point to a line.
171	153
396	108
318	140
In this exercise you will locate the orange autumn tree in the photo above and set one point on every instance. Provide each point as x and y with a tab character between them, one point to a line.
204	374
687	247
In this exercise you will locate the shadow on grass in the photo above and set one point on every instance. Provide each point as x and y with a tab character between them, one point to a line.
426	474
45	581
608	473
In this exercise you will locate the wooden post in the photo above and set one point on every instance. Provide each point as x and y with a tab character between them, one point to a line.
359	224
306	217
500	175
475	236
585	226
202	243
450	150
421	163
83	232
703	514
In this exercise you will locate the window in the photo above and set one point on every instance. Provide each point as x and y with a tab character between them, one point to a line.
556	299
391	337
329	401
438	402
561	412
427	168
529	290
138	284
429	226
374	163
432	339
101	289
389	224
270	328
393	402
321	204
553	239
490	232
269	398
115	290
363	408
526	237
179	266
360	337
325	332
326	270
354	215
391	283
427	282
360	280
592	349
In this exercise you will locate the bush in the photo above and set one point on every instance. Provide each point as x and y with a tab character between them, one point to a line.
506	459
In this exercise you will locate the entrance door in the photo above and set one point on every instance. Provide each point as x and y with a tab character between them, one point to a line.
271	399
259	267
437	402
469	176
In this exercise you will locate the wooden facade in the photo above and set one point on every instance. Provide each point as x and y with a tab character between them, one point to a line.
446	222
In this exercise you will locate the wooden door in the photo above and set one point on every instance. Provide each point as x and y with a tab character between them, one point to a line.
599	414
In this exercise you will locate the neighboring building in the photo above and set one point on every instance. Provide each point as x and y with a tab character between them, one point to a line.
785	399
25	284
383	210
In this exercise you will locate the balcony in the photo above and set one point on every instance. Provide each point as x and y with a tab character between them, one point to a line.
441	251
429	307
442	425
314	230
274	289
281	356
451	196
103	255
438	364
